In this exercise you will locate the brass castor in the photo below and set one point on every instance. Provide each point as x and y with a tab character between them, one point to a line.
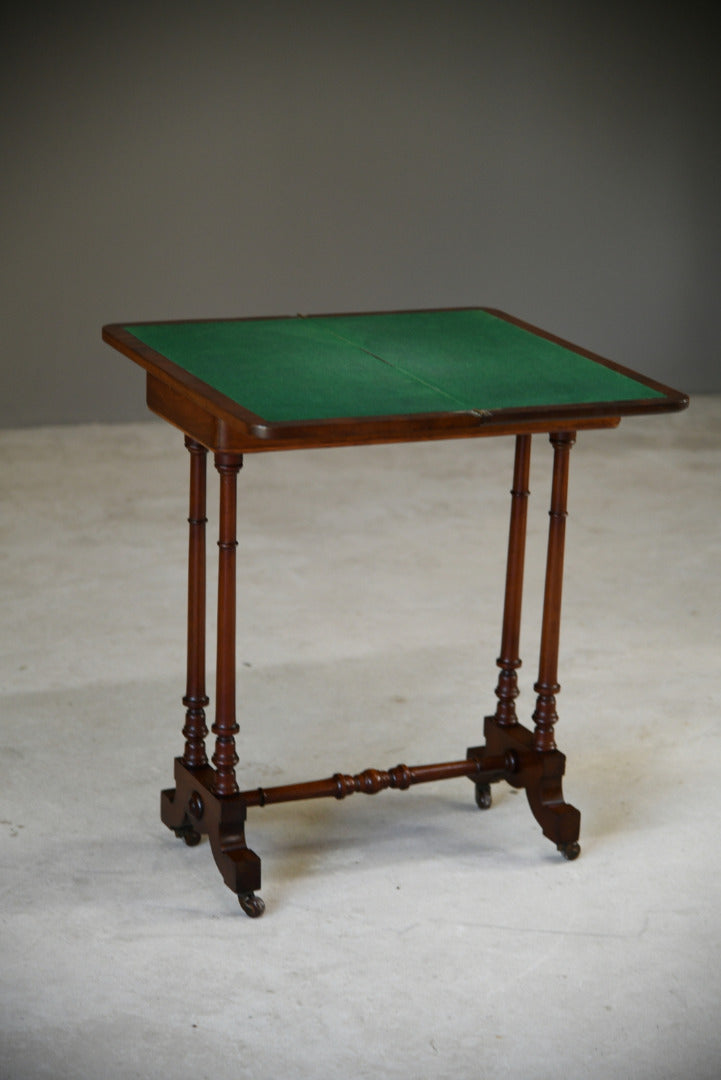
251	904
484	799
570	851
189	835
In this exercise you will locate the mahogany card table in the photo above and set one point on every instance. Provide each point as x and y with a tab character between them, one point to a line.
245	386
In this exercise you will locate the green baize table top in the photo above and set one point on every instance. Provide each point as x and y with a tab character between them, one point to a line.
389	364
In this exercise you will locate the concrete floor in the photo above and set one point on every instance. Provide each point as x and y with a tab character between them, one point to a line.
408	935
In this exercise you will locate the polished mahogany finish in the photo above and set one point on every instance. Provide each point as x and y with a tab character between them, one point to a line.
193	809
225	727
509	661
222	424
370	782
538	765
195	700
207	799
547	686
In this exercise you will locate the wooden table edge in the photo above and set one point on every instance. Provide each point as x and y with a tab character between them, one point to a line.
222	424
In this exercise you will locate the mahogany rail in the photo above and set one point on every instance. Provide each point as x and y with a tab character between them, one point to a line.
371	781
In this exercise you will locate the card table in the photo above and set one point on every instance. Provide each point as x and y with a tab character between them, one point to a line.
250	385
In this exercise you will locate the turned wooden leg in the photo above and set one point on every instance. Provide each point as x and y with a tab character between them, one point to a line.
226	811
529	759
559	821
195	700
205	800
174	808
547	686
509	661
225	727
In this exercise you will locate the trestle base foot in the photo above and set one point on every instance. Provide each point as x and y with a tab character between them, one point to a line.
539	773
192	809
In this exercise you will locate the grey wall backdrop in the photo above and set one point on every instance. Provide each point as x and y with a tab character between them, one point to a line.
556	160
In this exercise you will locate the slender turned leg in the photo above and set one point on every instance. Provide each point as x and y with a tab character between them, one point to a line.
205	800
509	660
175	807
239	866
195	700
530	759
225	727
547	686
559	821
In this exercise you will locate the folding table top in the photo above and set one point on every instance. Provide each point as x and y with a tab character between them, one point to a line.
390	376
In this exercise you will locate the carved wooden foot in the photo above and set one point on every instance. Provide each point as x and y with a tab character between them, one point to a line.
560	822
180	813
192	809
539	773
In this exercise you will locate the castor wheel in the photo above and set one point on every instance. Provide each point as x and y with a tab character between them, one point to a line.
189	835
251	904
483	796
570	851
